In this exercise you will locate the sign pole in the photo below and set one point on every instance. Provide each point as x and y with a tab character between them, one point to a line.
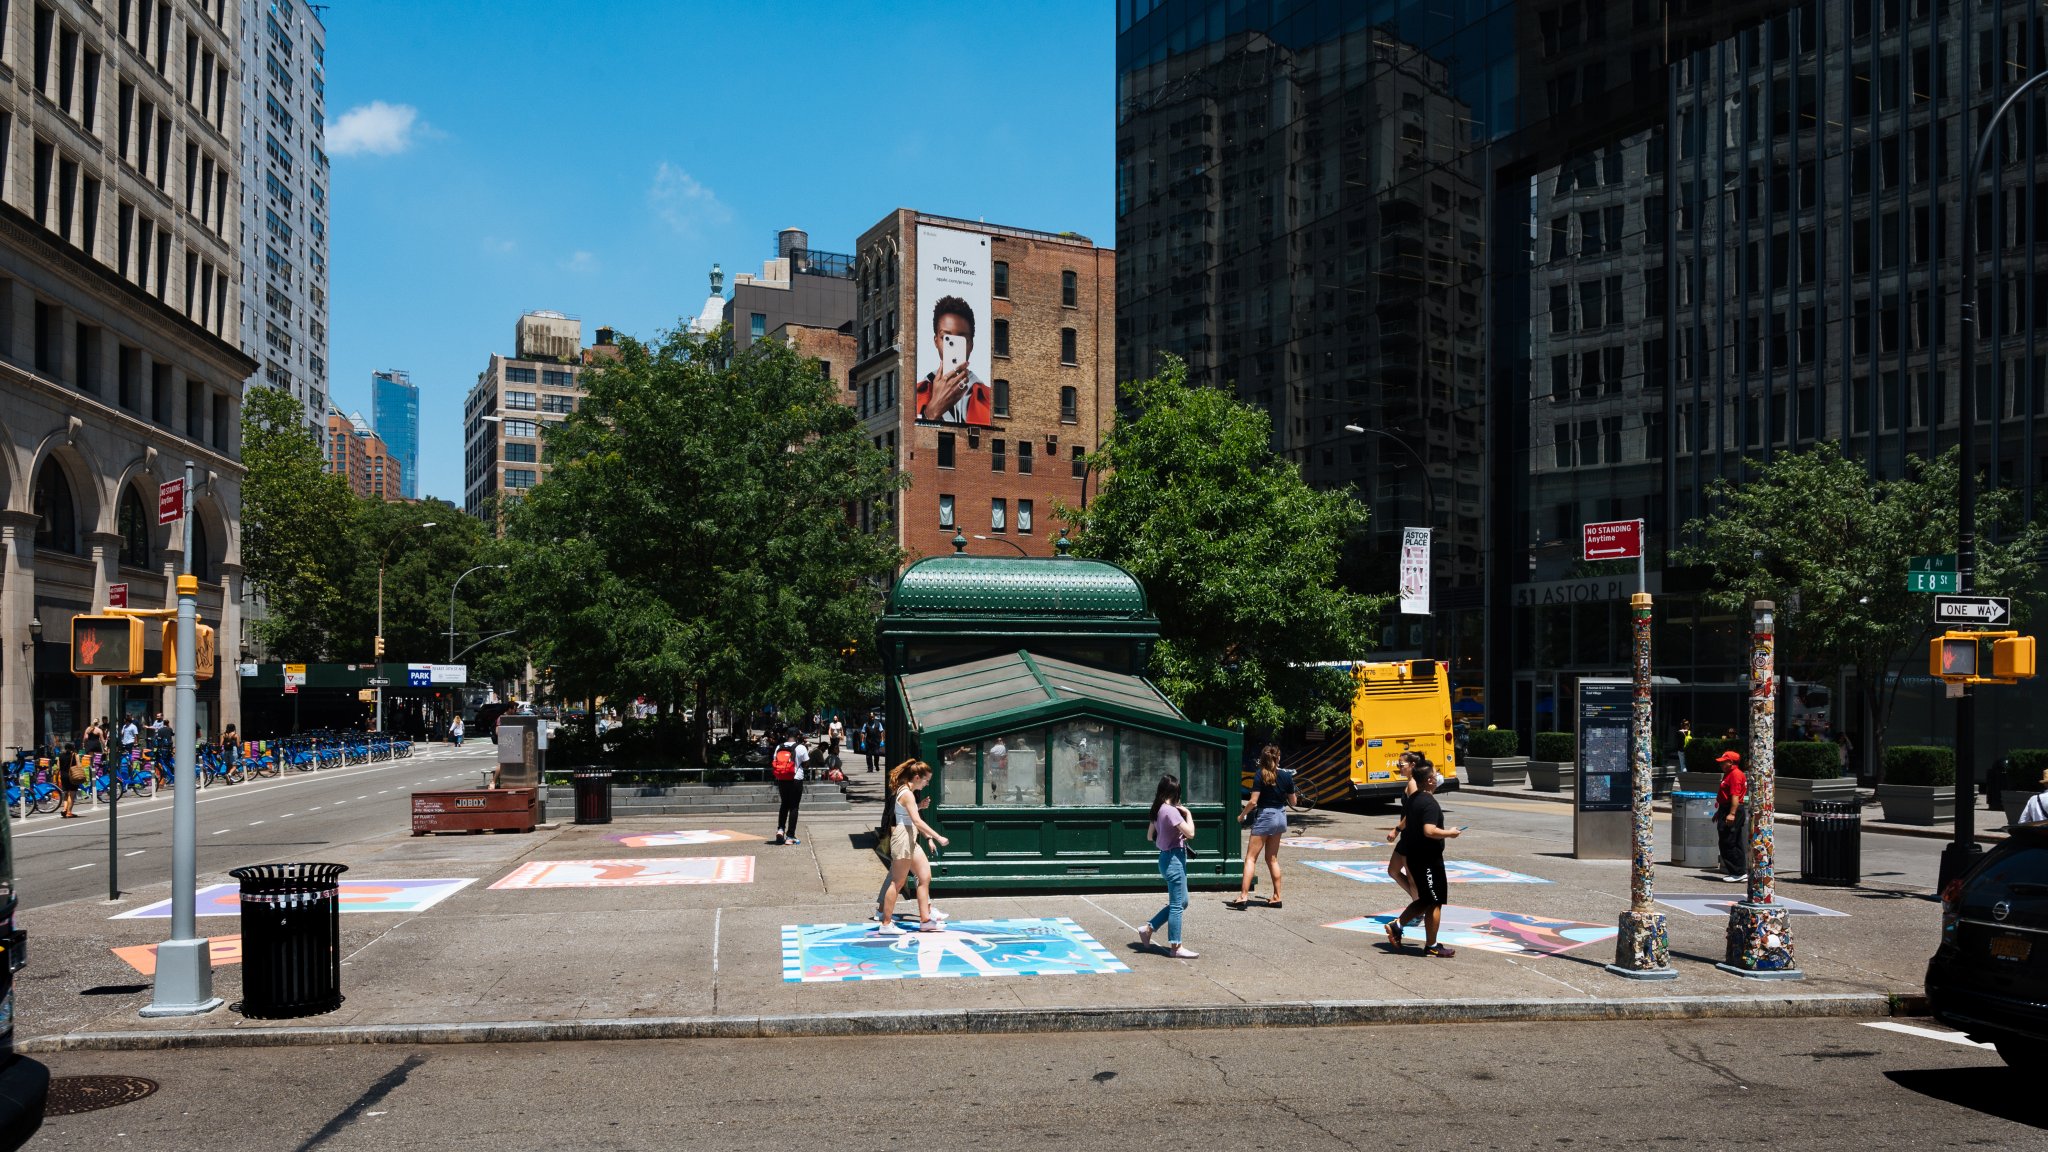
1759	930
1642	951
184	967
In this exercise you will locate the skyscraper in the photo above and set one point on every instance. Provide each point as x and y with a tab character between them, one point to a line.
284	200
395	414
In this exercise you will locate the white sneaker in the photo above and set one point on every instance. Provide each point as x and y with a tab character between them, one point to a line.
890	929
1735	879
1180	953
938	915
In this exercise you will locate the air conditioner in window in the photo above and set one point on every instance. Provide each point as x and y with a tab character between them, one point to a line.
974	437
1052	444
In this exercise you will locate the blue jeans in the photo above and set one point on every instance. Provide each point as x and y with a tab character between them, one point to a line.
1174	866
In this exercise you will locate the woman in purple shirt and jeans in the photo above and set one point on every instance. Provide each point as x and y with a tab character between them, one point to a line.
1172	827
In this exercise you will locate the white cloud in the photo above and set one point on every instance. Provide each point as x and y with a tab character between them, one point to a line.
580	262
375	129
677	198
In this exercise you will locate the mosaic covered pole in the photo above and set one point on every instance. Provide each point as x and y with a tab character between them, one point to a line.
1759	930
1642	951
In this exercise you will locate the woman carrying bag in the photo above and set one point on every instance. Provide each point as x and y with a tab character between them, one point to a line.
1265	819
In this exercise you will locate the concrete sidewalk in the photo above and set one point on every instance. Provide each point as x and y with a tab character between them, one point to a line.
711	959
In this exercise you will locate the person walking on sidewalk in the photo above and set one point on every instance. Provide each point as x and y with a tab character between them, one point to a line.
1397	863
1422	842
455	730
1172	827
905	824
71	776
787	766
1265	816
1728	821
834	733
871	743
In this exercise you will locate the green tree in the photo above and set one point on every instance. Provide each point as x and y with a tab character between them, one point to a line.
693	539
294	527
1238	556
1816	534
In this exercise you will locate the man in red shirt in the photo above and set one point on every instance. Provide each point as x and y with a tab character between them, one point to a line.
1728	821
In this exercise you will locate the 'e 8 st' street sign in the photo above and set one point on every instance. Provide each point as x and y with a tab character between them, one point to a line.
1932	574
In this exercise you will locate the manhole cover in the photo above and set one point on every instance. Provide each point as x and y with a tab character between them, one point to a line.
73	1094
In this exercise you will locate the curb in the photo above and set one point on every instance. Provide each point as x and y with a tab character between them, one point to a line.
1931	832
1001	1021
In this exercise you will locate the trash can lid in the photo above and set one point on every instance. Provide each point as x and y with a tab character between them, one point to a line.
1693	795
272	878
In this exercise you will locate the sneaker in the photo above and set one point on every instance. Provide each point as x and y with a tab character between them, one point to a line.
1177	952
1735	879
939	915
1145	936
1440	951
780	840
890	929
792	840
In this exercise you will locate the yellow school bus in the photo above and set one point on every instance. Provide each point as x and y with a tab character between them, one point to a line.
1397	706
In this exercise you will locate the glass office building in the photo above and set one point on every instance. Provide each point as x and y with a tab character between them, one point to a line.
1574	260
395	414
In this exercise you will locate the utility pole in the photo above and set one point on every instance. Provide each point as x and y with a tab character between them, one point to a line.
184	964
1759	931
1642	951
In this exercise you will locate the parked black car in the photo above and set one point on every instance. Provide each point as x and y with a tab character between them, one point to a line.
1989	978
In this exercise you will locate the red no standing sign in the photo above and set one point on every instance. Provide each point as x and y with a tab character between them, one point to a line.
1617	540
170	502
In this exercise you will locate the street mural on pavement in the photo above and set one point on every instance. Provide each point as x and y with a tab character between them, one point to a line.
645	873
1460	872
1716	904
220	949
1481	929
684	838
1327	844
356	896
1051	946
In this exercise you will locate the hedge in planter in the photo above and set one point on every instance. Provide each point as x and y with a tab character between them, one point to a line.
1700	755
1809	760
1556	747
1493	743
1925	765
2027	766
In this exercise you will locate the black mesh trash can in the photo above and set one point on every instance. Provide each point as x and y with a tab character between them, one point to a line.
291	939
1831	842
593	796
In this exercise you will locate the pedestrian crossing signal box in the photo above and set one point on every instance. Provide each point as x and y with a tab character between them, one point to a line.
1957	657
203	650
106	646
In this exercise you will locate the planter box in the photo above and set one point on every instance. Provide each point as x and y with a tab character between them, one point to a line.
1496	771
1793	792
1703	782
1917	803
1663	781
1552	776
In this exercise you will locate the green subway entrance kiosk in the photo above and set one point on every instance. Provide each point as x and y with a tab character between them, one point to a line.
1020	681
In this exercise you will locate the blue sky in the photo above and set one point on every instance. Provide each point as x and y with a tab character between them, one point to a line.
596	158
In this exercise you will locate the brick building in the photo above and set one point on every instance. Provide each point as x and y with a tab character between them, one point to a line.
992	467
360	456
833	348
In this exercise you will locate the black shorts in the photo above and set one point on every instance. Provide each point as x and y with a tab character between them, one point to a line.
1432	883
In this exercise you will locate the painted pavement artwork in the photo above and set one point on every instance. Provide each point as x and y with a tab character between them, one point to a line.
1050	946
1328	844
356	896
1459	871
684	838
650	872
1716	904
1483	930
219	949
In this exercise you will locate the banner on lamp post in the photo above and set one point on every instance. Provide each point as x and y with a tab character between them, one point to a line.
1415	571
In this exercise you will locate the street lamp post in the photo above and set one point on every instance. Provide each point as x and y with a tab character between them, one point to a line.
1001	540
380	615
1428	511
451	604
1962	852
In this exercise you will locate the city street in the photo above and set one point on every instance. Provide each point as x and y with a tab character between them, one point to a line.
287	817
1784	1084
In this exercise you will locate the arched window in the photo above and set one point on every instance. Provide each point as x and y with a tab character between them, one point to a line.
135	529
57	514
202	551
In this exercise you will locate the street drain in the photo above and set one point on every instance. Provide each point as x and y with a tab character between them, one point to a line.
70	1095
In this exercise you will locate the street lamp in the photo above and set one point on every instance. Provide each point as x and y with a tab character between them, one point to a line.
396	536
1428	511
451	604
1001	540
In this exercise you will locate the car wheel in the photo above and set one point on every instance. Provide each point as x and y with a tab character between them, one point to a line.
2024	1055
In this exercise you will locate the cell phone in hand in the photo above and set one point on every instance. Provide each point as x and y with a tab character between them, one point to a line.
954	349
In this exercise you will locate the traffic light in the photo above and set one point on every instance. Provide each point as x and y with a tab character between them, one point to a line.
106	646
1952	656
380	647
2012	658
203	651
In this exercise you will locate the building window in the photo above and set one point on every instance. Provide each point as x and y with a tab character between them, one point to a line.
520	375
520	401
998	515
554	379
757	325
559	404
1070	290
1024	517
521	453
945	449
1070	405
1001	344
1069	346
518	478
1080	462
1023	457
521	428
1002	398
135	528
945	510
56	514
998	455
1001	281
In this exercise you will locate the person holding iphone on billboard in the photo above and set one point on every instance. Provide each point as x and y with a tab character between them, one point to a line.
953	394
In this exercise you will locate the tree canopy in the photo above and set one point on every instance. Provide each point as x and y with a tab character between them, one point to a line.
1238	556
295	518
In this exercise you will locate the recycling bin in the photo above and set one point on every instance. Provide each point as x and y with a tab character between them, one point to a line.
1693	843
593	796
291	939
1831	842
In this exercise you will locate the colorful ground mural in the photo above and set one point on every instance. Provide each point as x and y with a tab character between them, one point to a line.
356	896
220	949
685	838
1483	930
1327	844
832	953
1717	904
652	872
1460	872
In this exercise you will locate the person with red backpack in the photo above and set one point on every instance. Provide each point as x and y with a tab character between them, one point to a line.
786	765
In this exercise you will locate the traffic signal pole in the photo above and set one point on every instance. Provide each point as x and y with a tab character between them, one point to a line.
184	967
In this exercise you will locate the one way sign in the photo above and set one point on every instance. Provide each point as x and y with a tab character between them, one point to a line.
1972	609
